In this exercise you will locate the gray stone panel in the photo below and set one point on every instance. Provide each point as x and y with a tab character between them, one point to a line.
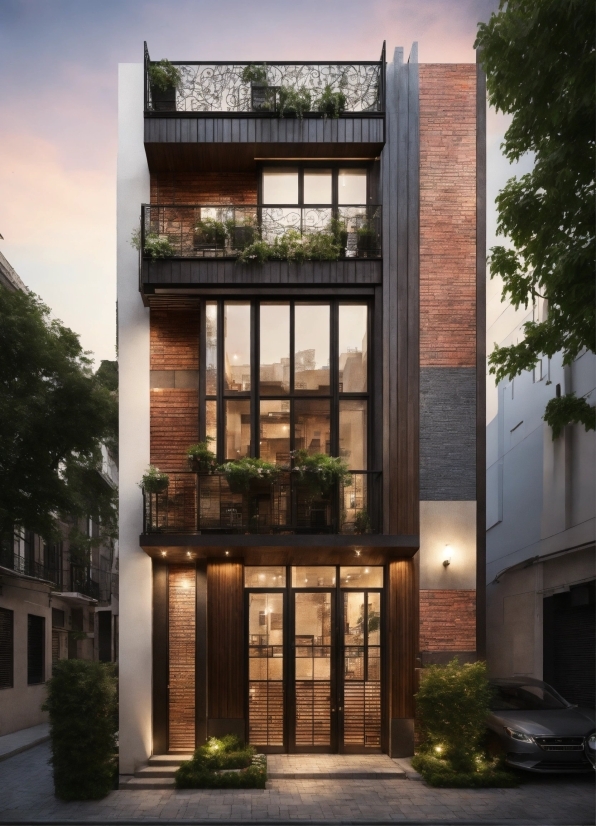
448	433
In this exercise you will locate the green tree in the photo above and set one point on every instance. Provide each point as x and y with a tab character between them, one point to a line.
539	58
54	415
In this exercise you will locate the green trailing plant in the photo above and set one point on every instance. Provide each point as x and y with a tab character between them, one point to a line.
201	458
362	522
223	763
156	246
294	101
255	73
82	704
163	75
339	231
243	473
319	472
331	103
210	231
293	246
452	707
154	481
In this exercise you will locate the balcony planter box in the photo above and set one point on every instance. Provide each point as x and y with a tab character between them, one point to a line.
368	242
262	97
163	100
242	237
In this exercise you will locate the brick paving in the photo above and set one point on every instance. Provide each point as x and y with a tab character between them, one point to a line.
26	794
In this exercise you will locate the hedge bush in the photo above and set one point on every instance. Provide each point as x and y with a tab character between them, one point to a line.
82	703
223	763
452	707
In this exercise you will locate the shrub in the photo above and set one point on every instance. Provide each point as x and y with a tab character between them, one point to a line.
223	763
486	774
331	103
294	246
294	101
82	705
452	705
210	231
362	522
200	456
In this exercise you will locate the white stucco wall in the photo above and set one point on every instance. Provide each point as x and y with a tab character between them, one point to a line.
133	360
447	523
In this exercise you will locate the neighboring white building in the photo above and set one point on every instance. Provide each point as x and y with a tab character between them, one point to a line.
541	504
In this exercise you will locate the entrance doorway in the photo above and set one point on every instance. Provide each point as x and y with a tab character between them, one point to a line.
314	660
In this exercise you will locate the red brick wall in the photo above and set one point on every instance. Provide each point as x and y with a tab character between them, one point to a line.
181	647
174	411
447	620
208	188
448	215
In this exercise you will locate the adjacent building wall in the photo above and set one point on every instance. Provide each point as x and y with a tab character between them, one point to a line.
133	349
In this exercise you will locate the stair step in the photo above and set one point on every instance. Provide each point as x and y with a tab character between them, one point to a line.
168	759
144	783
156	771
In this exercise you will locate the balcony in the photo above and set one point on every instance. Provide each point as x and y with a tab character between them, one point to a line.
29	567
180	245
285	110
197	503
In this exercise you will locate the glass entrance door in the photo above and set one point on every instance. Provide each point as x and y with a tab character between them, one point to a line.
314	689
266	670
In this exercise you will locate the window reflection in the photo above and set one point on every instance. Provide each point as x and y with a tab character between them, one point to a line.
237	441
352	348
237	346
312	429
274	435
351	186
211	424
274	369
280	186
311	348
353	432
264	576
211	347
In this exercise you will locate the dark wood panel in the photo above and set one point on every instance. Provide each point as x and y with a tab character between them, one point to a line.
181	655
160	658
187	272
403	611
192	157
225	640
201	654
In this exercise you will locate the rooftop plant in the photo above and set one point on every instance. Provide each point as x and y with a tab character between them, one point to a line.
331	103
163	75
255	73
294	101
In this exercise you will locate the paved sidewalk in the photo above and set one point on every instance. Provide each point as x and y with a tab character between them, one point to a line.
25	738
26	794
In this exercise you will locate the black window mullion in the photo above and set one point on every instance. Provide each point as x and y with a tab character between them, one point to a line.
221	411
334	376
202	372
255	391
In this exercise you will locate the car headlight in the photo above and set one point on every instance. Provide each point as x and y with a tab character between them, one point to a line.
591	741
518	735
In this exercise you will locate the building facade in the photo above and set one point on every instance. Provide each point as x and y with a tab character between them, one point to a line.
54	602
295	614
541	509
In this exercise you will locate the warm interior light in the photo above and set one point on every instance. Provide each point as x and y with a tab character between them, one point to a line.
164	553
227	553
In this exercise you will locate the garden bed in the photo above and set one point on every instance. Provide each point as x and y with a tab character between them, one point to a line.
223	763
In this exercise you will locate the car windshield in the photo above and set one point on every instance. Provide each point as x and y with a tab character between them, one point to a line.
525	698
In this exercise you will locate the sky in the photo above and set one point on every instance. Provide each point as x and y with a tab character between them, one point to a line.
58	99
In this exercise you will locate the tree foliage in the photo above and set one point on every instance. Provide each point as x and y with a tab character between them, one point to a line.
82	702
54	415
539	57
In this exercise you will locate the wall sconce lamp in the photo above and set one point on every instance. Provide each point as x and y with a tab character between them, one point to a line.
447	556
227	553
164	553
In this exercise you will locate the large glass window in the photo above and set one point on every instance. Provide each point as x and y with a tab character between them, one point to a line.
318	186
294	378
351	186
280	186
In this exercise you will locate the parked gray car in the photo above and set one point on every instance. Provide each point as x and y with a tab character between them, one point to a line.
537	729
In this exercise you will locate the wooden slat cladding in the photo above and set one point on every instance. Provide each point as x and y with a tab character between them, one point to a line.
448	215
177	272
174	410
403	637
225	641
351	130
181	646
207	188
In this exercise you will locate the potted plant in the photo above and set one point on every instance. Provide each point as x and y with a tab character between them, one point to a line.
245	474
210	234
367	240
156	246
319	473
201	458
331	103
164	79
261	95
241	235
154	481
339	230
294	101
362	522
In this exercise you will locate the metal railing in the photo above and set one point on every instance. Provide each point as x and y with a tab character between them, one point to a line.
84	580
205	503
30	567
224	87
202	231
